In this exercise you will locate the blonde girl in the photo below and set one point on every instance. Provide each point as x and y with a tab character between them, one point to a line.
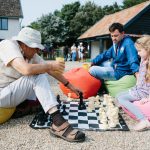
141	91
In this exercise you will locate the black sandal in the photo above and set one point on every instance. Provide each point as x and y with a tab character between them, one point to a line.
66	132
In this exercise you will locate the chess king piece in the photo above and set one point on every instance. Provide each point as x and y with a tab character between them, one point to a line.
81	104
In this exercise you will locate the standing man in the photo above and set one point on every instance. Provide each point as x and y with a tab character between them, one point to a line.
74	52
65	52
23	74
80	52
123	54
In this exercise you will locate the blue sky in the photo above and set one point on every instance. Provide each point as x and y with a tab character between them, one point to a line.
33	9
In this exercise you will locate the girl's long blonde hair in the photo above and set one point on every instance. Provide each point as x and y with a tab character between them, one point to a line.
144	42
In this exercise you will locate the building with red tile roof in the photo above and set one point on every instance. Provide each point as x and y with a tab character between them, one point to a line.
136	21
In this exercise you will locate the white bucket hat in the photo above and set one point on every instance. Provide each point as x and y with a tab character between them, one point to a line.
30	37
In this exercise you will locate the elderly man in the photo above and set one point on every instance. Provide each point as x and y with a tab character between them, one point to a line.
23	74
123	54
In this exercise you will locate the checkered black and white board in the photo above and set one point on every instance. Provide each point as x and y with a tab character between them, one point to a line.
80	119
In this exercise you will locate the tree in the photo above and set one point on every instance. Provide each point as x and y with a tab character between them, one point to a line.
111	9
68	13
130	3
35	25
87	16
66	25
52	28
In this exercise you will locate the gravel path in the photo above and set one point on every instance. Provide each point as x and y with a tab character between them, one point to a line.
17	135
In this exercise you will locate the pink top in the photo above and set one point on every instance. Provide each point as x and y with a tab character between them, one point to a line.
142	88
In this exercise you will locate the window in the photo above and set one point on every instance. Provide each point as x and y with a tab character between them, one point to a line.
3	23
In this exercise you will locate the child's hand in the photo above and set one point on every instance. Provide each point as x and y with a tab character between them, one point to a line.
144	100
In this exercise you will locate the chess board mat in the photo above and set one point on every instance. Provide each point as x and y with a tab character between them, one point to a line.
80	119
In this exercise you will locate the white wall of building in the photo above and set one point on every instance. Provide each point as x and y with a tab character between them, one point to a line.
14	27
94	49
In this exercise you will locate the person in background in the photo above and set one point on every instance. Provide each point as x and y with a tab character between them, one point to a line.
23	74
122	53
74	52
80	52
141	91
65	52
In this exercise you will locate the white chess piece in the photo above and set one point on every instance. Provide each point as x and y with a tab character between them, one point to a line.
90	107
69	97
97	97
96	103
111	124
105	99
104	126
113	116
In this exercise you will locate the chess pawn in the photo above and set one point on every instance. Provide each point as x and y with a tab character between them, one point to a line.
101	110
89	109
96	103
110	98
105	96
102	116
91	105
69	97
104	103
105	99
97	97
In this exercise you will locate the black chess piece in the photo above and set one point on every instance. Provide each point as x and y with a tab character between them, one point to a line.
59	101
64	113
81	104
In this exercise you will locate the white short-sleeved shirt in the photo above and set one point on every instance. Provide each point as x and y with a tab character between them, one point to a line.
9	50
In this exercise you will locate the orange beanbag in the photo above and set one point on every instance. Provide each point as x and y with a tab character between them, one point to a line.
81	79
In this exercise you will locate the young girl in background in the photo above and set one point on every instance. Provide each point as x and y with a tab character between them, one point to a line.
141	91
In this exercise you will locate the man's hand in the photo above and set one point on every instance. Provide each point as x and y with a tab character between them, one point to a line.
92	64
57	66
74	89
144	100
